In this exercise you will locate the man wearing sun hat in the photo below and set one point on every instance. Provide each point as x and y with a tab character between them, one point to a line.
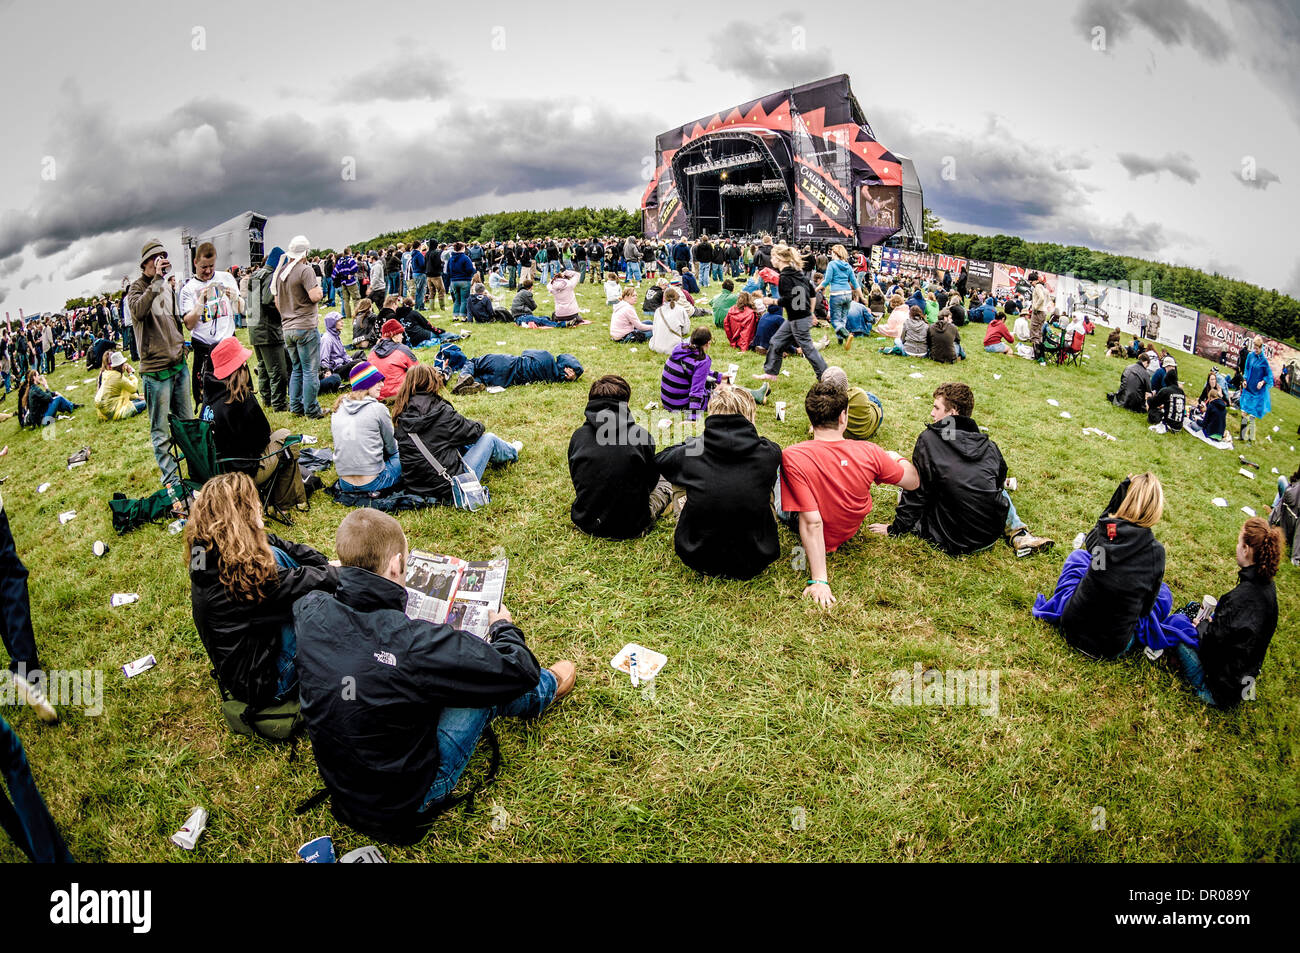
297	291
154	301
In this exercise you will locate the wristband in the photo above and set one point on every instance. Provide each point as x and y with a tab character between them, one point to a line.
816	582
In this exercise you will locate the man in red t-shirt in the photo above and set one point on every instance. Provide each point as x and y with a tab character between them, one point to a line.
827	481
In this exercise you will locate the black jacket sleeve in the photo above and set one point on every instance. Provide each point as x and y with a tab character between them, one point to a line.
301	554
460	670
911	504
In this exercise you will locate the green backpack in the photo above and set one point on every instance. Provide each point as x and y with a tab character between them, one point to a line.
276	722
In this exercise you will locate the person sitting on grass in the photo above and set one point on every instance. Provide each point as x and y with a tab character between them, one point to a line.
865	411
118	396
365	450
335	365
688	378
654	296
365	326
618	492
672	323
240	432
391	752
944	340
425	422
243	584
741	323
482	308
563	288
391	357
1169	405
1113	346
892	327
523	304
415	326
858	319
1223	667
1212	411
723	303
1134	384
39	403
997	339
1111	593
612	291
725	527
770	319
915	339
960	506
826	483
624	325
506	370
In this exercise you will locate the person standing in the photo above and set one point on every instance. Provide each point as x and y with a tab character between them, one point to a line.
16	626
296	292
128	326
345	279
212	297
1040	309
266	335
433	276
154	302
1257	380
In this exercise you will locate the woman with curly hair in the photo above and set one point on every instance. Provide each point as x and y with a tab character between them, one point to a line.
243	584
1223	668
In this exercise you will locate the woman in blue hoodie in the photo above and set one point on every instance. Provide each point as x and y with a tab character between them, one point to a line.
838	286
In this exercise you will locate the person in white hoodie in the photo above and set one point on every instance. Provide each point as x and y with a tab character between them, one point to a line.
672	323
365	449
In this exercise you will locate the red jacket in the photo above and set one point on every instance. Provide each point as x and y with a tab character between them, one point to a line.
740	325
391	360
997	332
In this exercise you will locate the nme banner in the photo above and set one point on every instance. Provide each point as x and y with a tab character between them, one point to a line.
1219	341
979	276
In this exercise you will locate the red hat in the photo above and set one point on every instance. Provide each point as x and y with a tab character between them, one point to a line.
392	327
228	357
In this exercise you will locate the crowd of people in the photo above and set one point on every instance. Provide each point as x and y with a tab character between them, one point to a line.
284	625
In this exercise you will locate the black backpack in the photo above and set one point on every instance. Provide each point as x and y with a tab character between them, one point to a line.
1284	515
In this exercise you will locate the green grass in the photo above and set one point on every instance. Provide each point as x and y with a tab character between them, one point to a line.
767	704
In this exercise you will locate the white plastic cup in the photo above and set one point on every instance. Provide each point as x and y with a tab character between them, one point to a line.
780	410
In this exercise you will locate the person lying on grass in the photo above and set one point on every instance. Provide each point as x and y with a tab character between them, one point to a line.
618	492
243	584
960	506
391	749
425	422
826	483
727	475
1111	593
1223	668
506	370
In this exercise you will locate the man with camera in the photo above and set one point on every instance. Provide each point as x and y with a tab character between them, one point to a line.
154	302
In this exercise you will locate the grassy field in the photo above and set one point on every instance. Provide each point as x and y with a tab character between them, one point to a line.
770	734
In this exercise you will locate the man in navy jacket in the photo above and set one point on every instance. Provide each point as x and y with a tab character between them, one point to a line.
395	706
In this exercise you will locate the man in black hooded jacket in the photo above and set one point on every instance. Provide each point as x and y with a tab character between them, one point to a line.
395	706
618	492
960	506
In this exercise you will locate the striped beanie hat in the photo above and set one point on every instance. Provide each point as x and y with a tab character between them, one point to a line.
365	376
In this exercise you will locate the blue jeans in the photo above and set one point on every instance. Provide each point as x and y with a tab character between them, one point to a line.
1190	661
839	312
460	299
1014	523
327	288
459	730
998	347
15	606
634	271
59	405
488	449
388	476
420	285
26	819
287	682
702	272
167	398
304	382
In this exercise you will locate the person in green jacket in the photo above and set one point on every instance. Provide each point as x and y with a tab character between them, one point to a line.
266	335
724	302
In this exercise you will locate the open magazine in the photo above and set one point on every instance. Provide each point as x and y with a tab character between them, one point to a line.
446	589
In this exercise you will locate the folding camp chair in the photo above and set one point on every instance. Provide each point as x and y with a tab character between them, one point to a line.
1053	342
1073	351
192	443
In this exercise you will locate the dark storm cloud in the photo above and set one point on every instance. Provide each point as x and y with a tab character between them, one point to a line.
22	285
1172	22
4	293
106	252
777	54
10	265
1263	177
1177	164
210	159
1000	183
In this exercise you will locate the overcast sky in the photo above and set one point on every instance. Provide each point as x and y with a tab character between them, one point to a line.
1118	124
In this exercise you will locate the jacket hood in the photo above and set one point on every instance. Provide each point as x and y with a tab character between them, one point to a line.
600	407
963	435
418	406
355	407
567	360
386	347
332	324
366	591
730	436
685	349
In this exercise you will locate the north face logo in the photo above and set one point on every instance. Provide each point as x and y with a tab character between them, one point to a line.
388	658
